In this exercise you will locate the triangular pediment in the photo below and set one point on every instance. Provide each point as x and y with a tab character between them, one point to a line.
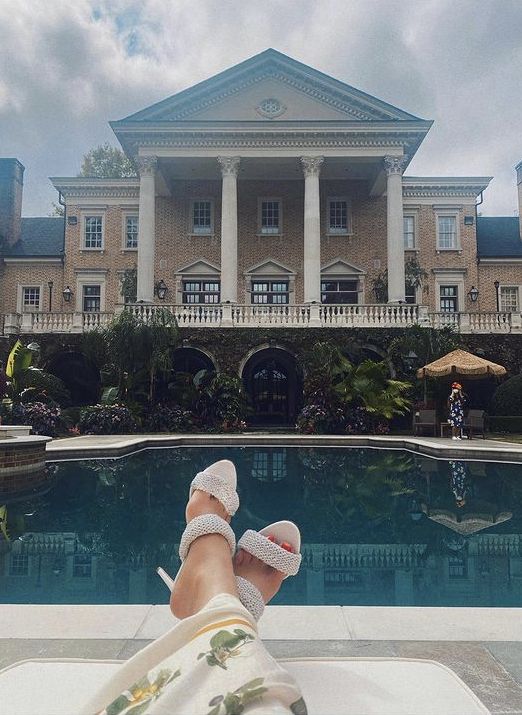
270	268
199	268
271	87
340	268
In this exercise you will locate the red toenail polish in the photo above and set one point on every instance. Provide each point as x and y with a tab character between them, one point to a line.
287	547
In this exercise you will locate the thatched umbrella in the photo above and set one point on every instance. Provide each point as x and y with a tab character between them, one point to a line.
465	524
460	362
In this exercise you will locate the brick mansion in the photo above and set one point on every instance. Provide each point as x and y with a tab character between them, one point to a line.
270	195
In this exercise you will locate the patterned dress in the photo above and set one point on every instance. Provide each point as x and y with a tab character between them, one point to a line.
212	663
456	411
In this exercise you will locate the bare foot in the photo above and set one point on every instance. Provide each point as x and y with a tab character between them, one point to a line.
207	570
266	578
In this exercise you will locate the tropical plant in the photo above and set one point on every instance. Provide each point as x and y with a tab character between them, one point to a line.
221	401
169	418
107	419
129	284
27	383
414	276
368	385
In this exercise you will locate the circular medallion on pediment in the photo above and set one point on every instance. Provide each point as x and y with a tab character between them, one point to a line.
270	108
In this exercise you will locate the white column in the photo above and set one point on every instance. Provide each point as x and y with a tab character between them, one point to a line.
229	170
394	166
146	228
312	229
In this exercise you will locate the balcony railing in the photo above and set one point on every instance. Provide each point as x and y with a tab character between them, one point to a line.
276	316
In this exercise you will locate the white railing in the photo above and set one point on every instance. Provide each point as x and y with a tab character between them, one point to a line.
290	316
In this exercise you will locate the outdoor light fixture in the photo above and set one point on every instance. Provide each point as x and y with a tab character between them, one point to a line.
410	360
497	284
67	294
161	289
50	284
473	294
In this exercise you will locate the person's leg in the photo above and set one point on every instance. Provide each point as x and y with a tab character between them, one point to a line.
207	570
265	578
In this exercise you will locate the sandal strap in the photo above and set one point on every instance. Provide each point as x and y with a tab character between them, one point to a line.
251	598
202	525
270	553
217	487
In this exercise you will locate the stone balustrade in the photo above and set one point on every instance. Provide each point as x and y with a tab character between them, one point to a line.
228	315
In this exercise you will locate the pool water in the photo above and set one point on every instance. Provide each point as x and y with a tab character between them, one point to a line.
379	527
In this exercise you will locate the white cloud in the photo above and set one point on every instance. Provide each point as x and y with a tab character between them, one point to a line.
67	67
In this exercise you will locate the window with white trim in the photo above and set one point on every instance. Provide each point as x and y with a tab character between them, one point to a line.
202	218
338	216
409	231
270	292
342	292
91	298
93	232
447	239
30	299
509	299
198	292
19	564
457	567
449	300
270	216
131	232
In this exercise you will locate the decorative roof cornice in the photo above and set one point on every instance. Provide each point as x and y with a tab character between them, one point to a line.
465	186
85	187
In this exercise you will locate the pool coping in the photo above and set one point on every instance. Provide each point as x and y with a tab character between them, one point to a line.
302	623
100	446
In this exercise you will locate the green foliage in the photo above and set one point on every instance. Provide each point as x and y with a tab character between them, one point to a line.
107	419
221	401
129	284
506	425
414	275
106	162
427	343
335	389
169	418
507	398
26	383
44	419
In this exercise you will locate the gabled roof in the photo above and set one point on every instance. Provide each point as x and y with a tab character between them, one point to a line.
498	236
42	236
354	103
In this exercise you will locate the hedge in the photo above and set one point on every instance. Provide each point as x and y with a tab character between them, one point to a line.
504	423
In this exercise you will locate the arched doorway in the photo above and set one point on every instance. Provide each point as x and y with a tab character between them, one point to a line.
274	385
191	361
79	375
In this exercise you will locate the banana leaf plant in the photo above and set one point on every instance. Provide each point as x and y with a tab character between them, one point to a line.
26	382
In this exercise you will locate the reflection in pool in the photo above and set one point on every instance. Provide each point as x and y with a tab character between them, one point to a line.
379	527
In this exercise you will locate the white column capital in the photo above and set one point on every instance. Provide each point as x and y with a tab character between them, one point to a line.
229	165
395	164
147	165
312	165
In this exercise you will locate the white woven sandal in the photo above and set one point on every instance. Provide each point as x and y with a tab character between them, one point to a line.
220	481
259	545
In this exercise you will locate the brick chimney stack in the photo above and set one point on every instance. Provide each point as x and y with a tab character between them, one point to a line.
11	188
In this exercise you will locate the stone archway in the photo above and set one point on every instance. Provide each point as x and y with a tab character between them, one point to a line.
191	360
274	385
79	375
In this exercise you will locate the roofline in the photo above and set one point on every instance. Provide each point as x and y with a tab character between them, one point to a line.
269	53
128	125
446	180
515	218
88	180
32	257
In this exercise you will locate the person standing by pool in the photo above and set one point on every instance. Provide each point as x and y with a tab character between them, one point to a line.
456	410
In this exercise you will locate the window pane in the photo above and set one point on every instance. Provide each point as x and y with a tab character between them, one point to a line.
270	292
410	294
91	298
409	232
202	217
197	292
338	216
509	299
93	232
342	292
449	299
31	298
270	217
131	232
447	231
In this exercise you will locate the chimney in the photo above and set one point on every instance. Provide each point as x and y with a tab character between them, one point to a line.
519	186
11	187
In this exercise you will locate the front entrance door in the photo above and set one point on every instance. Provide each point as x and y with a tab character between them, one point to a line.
274	388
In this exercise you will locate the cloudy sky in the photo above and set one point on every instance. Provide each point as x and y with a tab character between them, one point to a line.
67	67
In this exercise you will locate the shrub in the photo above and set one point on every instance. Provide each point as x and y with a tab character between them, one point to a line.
169	418
360	421
44	419
504	424
507	398
107	419
318	419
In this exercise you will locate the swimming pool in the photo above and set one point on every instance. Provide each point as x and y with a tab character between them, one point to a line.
379	527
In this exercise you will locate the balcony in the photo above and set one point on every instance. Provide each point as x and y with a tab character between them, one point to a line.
272	316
